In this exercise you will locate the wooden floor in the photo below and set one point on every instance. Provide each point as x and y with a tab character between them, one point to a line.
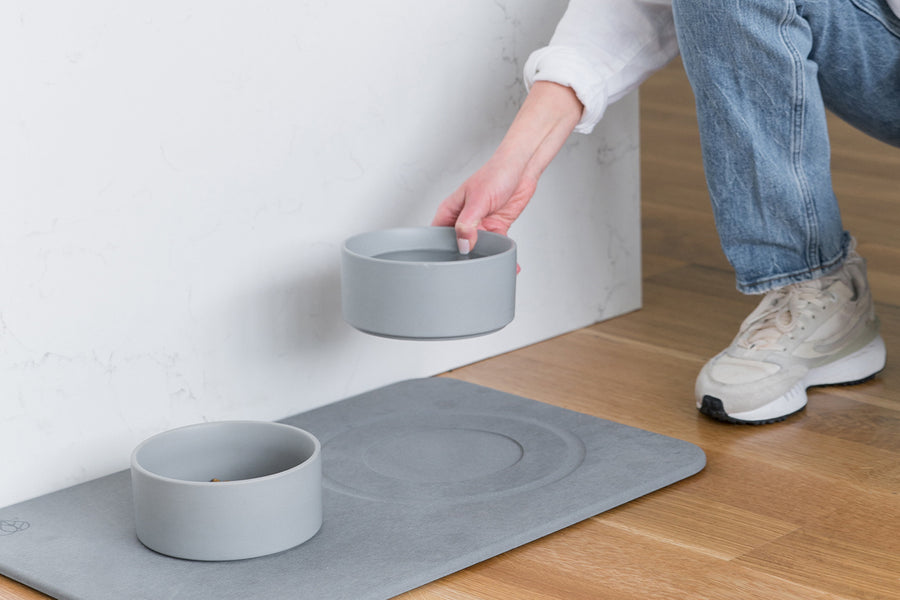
805	509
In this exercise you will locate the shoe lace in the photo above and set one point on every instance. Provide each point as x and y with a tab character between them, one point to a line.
781	312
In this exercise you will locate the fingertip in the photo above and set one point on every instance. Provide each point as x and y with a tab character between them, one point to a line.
466	237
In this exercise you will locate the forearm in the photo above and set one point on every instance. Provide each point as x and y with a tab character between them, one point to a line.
494	196
544	122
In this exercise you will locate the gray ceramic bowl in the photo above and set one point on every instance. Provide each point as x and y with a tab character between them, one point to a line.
268	497
411	283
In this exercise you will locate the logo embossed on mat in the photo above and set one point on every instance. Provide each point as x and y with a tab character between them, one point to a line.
11	527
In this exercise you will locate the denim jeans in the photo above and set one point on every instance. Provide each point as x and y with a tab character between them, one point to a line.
763	72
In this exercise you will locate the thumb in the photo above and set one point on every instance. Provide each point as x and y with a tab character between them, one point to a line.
467	225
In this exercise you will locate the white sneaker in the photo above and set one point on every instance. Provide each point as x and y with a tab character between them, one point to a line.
819	332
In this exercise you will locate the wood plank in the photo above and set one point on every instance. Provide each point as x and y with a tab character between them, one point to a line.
13	590
698	524
856	570
596	561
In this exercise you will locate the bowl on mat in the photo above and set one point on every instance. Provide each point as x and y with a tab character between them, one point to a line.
227	490
412	283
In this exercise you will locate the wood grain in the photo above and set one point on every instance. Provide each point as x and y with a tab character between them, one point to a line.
806	509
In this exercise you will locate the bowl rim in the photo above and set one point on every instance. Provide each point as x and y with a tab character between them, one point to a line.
505	239
138	467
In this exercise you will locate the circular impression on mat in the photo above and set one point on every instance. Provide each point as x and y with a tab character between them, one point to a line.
436	457
443	455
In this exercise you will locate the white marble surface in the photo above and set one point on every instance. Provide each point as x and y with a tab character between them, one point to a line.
176	180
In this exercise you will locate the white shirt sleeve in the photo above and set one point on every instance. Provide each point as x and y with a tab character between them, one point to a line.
604	49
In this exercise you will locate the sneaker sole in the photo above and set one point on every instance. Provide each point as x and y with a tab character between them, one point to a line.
861	366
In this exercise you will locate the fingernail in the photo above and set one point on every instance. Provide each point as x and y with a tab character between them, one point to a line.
463	245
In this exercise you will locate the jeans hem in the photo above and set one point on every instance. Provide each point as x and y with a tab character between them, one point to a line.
761	286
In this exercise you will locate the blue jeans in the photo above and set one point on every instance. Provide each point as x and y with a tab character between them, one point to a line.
763	72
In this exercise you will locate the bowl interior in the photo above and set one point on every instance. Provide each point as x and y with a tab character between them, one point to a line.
226	451
424	244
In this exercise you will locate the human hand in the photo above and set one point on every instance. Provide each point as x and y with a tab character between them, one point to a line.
498	192
491	199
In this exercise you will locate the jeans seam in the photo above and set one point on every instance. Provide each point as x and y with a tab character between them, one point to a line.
798	113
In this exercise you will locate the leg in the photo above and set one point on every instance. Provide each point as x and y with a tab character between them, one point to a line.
761	96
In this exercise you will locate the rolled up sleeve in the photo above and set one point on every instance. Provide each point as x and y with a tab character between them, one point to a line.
604	49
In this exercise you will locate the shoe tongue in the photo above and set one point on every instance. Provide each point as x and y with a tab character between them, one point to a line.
778	312
775	316
839	283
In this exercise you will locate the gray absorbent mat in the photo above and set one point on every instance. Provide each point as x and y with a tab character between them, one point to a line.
422	478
